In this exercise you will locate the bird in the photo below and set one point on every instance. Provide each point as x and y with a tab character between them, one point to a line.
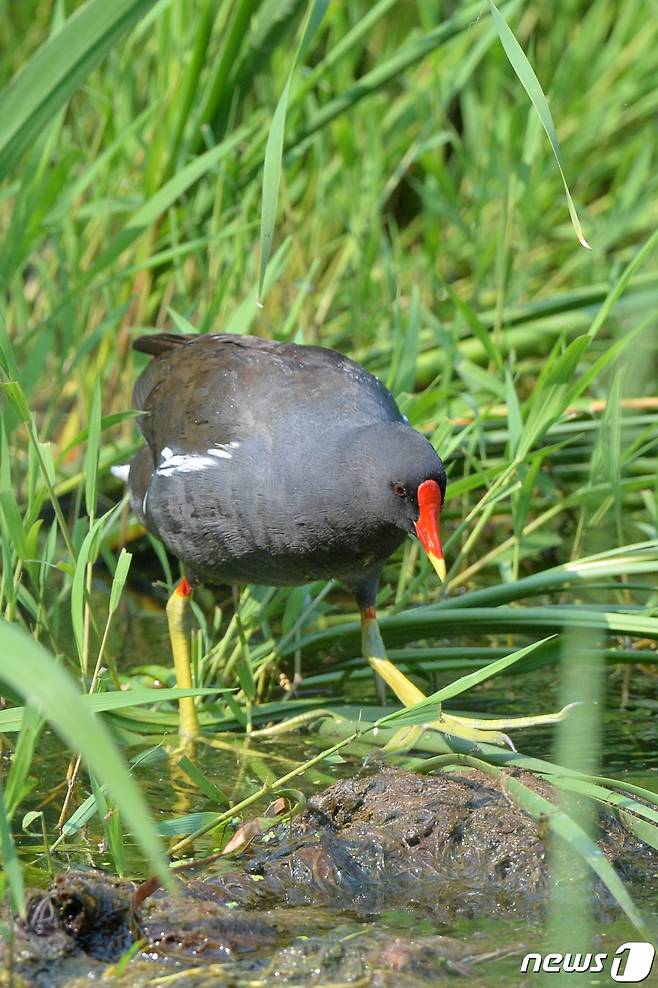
280	464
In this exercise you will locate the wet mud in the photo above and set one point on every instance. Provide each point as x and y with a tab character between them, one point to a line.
298	906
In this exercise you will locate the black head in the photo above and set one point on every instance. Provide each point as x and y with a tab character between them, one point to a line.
404	482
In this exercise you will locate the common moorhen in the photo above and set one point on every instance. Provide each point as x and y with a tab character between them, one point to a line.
277	464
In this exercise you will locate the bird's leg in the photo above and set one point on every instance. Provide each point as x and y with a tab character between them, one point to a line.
178	607
372	647
375	652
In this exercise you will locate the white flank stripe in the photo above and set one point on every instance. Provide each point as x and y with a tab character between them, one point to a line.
184	463
189	462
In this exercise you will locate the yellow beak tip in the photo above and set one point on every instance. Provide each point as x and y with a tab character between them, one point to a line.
439	564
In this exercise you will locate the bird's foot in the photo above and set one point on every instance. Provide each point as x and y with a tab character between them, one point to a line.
478	730
475	729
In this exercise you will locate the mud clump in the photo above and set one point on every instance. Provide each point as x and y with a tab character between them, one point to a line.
424	849
445	845
79	924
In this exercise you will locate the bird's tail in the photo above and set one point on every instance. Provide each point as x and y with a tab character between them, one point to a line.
157	343
121	471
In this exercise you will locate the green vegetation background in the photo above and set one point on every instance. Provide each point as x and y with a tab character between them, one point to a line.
422	227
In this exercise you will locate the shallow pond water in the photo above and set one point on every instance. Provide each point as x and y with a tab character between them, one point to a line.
403	945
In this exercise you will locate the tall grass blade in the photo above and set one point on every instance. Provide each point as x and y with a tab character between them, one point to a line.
57	69
573	834
621	284
11	719
111	823
274	146
87	554
119	579
93	450
419	712
10	862
30	671
17	779
532	86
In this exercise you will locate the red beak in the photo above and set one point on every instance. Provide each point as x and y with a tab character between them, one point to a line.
430	502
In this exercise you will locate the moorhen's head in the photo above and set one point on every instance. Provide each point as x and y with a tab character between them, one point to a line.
406	484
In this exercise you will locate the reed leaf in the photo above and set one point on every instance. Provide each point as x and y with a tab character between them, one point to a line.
57	69
31	672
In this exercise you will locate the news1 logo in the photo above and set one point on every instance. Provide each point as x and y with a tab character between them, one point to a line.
631	963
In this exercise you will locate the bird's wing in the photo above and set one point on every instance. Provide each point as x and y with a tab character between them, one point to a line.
209	389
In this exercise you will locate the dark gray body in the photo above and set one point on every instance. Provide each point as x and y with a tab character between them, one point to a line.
272	463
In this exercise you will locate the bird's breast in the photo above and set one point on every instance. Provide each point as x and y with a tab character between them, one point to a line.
237	515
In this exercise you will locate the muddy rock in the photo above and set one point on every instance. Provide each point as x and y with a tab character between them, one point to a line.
415	852
443	846
78	924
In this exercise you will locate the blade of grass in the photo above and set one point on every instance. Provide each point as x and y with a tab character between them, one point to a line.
202	782
86	557
34	674
615	293
427	622
564	827
92	451
31	726
11	719
274	146
57	69
418	712
111	823
11	864
15	396
532	86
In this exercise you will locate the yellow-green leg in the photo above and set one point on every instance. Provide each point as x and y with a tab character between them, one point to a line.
375	652
178	606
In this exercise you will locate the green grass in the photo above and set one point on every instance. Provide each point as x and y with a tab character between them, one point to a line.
415	217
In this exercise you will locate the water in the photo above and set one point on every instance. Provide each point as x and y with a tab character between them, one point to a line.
238	766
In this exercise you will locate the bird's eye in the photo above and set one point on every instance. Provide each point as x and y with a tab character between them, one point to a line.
400	490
